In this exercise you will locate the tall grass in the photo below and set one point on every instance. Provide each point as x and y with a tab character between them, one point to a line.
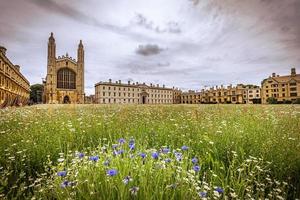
244	151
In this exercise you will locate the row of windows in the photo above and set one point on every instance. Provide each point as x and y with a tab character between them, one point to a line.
133	94
133	89
11	86
135	101
283	90
293	94
12	74
282	85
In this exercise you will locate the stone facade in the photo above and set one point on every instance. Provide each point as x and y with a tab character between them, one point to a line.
282	88
14	87
223	94
133	93
190	97
65	76
252	94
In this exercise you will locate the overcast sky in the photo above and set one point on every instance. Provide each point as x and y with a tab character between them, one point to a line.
188	44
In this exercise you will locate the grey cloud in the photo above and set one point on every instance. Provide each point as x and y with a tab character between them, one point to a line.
170	27
148	50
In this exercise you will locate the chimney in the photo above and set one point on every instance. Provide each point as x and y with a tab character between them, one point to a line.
17	67
128	82
109	80
293	71
150	84
136	83
163	86
119	81
157	85
273	74
3	50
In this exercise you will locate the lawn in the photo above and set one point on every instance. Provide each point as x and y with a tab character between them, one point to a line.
150	152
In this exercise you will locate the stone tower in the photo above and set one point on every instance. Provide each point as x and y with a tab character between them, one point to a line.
65	76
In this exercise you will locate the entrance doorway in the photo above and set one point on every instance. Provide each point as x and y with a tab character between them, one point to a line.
144	99
67	100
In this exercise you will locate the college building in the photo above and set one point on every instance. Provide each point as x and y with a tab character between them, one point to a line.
284	89
65	76
14	87
239	94
134	93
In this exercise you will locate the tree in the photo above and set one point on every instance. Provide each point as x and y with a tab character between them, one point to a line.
272	100
36	93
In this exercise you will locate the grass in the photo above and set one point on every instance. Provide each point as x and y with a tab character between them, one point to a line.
243	151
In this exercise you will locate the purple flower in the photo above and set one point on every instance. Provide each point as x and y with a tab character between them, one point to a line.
219	190
131	147
143	155
155	155
62	173
127	179
111	172
114	146
94	158
194	160
165	150
134	190
120	151
196	168
64	184
168	160
80	155
203	194
178	156
184	148
122	140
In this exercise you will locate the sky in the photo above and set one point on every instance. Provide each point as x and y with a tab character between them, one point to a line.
189	44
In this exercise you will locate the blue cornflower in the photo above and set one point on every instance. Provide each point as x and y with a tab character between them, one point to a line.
219	190
196	168
194	160
168	160
127	179
114	146
111	172
165	150
131	146
178	156
94	158
80	155
62	173
203	194
134	190
184	148
122	140
120	151
155	155
64	184
143	155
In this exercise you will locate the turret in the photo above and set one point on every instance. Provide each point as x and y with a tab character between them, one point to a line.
80	53
51	49
80	69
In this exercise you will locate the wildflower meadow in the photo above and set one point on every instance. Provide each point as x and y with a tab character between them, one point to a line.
150	152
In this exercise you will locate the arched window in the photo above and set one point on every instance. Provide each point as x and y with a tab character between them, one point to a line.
66	79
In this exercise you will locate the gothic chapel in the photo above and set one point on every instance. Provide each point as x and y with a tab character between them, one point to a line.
65	76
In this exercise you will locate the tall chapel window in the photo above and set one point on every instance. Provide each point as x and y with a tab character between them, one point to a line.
66	79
